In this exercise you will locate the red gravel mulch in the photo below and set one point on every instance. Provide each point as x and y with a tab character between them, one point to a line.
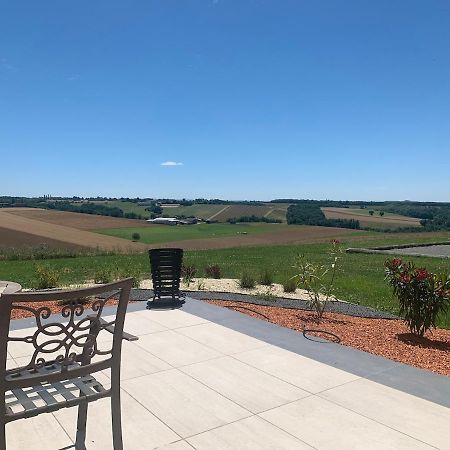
388	338
55	307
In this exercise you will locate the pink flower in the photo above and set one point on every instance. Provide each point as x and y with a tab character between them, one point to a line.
405	278
396	262
422	274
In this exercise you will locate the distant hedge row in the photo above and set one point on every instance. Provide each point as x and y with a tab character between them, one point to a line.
252	219
310	214
92	208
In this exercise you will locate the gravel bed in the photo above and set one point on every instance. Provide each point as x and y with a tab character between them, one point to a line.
349	309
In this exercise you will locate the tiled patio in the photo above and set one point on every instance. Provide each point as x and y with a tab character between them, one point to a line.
208	378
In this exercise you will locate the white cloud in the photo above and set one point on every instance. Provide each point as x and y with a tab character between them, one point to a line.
171	163
6	66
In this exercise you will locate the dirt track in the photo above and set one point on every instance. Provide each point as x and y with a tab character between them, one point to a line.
74	220
68	235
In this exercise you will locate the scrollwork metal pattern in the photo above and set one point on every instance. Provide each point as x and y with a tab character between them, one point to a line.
69	340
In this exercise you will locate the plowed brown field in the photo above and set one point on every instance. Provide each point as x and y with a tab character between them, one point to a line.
366	220
74	220
20	226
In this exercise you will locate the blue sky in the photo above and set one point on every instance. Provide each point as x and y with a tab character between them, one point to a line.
254	99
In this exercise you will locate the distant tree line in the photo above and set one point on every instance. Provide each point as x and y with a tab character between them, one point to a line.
310	214
93	208
433	216
252	219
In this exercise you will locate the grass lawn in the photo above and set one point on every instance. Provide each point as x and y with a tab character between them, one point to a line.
361	277
154	234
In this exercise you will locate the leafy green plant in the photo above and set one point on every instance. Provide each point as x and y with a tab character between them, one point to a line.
104	275
46	277
266	277
188	274
318	279
132	272
289	285
200	285
213	271
135	237
381	213
247	280
422	295
371	212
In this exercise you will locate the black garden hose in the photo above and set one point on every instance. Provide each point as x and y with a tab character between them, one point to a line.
336	338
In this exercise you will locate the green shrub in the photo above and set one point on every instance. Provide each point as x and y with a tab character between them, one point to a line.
289	285
188	273
104	275
318	279
134	273
213	271
422	295
46	277
135	237
266	277
247	280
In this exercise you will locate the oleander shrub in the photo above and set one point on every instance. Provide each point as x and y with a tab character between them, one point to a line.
318	280
46	277
422	295
247	280
213	271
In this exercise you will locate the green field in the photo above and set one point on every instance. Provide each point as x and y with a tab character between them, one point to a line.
223	212
126	207
198	210
154	234
361	278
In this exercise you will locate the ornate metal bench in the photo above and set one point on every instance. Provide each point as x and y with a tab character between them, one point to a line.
65	355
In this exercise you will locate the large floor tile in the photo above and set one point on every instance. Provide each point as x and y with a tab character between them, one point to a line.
327	426
221	338
184	404
176	349
173	318
305	373
137	362
249	387
180	445
139	323
17	349
39	433
140	428
252	433
411	415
